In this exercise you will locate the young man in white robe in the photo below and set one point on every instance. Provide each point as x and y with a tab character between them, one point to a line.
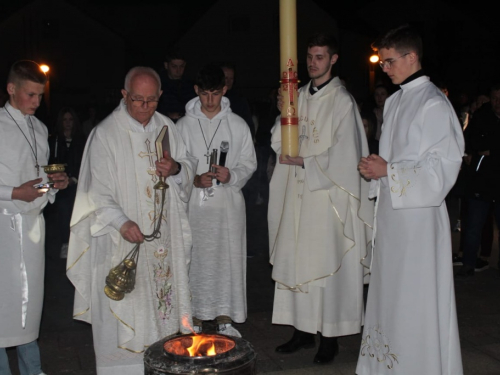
319	213
217	273
411	321
116	206
24	149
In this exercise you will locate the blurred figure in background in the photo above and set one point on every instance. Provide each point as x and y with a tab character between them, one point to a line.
380	95
177	90
91	121
239	104
482	182
267	111
370	123
66	147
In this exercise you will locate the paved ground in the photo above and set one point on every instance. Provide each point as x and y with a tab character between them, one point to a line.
66	345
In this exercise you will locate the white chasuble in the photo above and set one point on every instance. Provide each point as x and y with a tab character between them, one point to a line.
411	322
117	179
320	218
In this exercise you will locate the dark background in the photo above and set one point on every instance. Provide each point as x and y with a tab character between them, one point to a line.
461	43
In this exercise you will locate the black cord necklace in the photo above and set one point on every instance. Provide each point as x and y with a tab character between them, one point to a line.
34	150
208	146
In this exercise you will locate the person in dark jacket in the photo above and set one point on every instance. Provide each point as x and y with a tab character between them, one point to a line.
239	104
66	147
482	138
177	90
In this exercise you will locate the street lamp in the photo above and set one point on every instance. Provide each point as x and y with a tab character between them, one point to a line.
373	60
45	68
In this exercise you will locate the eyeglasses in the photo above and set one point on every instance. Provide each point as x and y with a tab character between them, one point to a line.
140	102
387	63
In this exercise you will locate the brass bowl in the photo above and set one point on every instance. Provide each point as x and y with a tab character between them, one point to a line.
53	168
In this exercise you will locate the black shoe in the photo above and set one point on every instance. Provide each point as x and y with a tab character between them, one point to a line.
481	265
464	272
299	340
457	261
328	349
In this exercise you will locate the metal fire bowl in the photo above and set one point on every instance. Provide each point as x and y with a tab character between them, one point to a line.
238	360
53	168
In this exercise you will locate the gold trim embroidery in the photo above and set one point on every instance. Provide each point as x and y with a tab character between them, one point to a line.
133	351
376	345
76	261
297	288
402	186
121	321
81	313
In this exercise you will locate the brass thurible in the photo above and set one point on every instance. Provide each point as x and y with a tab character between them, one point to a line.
121	279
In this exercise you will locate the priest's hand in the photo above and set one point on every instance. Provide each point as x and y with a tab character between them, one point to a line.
279	102
287	159
372	167
27	191
222	174
60	179
166	166
130	231
204	180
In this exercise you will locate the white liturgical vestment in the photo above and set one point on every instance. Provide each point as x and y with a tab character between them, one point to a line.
411	322
320	218
115	185
22	227
217	272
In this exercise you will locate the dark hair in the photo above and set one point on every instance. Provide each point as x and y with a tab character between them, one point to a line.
372	121
381	85
26	70
174	53
76	131
324	40
403	39
227	65
211	77
441	85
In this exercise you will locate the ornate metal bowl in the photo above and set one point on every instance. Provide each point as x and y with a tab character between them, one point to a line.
53	168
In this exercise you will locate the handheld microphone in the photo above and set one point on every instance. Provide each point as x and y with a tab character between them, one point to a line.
224	148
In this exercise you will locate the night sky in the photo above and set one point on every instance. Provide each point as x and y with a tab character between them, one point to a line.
148	32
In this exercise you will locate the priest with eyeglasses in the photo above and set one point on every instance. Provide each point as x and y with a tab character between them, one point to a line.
117	207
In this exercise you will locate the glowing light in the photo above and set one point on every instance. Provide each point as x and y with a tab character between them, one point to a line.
374	59
45	68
